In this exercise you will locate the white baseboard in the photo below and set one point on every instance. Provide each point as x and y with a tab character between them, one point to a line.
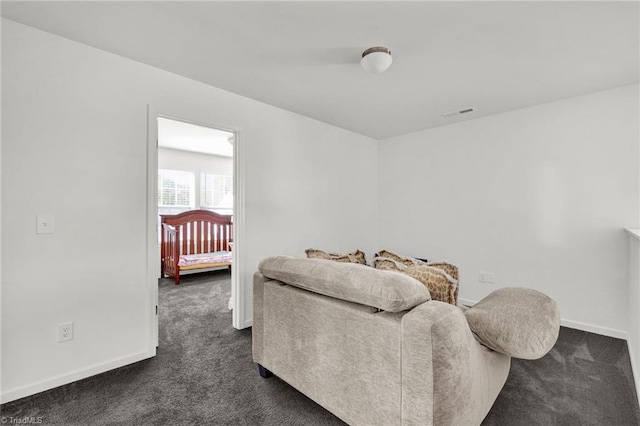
248	323
597	329
32	389
591	328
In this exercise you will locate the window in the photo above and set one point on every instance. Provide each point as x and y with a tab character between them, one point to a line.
216	193
176	190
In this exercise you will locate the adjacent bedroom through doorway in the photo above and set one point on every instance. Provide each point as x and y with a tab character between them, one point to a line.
195	219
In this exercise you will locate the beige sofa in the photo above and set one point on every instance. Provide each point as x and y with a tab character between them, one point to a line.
372	348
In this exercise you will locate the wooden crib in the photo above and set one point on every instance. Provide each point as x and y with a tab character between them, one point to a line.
193	240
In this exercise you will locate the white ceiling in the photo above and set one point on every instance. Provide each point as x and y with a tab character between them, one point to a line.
304	56
183	136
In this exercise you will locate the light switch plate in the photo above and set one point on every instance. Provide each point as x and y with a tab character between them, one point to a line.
44	224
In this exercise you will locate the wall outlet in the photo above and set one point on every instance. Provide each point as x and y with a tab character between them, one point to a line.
486	277
65	331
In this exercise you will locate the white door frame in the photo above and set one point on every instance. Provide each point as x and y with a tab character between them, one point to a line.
153	252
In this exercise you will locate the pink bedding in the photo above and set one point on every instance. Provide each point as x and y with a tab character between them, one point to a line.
197	259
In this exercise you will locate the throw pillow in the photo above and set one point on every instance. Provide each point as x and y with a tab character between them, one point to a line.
405	260
441	286
447	267
450	269
388	264
353	257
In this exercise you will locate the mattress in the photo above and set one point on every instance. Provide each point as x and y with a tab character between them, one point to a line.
204	258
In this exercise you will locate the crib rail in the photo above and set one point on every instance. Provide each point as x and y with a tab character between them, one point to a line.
170	250
192	232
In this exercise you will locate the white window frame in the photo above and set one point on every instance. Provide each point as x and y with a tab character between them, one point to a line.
227	188
179	177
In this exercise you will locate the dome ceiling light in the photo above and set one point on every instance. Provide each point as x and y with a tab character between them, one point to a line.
376	59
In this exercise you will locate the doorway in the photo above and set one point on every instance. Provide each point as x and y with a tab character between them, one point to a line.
191	166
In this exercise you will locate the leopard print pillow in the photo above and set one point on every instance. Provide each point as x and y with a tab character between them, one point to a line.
442	286
407	261
450	269
388	263
447	267
353	257
441	278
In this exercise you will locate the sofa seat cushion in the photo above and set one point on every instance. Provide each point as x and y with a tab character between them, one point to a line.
519	322
386	290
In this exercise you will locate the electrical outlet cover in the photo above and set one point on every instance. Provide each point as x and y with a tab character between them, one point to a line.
65	331
44	224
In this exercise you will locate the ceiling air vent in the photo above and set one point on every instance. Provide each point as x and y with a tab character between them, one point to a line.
460	112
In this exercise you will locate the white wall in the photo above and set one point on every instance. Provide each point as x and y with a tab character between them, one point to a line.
538	196
1	23
634	303
74	145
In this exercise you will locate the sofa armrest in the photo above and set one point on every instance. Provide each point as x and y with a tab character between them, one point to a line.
257	328
519	322
448	378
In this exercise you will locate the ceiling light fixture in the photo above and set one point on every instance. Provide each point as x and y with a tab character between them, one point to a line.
376	59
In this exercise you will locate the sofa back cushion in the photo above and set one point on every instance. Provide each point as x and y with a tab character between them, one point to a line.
386	290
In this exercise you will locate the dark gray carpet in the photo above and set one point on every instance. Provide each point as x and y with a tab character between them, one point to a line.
203	375
586	379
